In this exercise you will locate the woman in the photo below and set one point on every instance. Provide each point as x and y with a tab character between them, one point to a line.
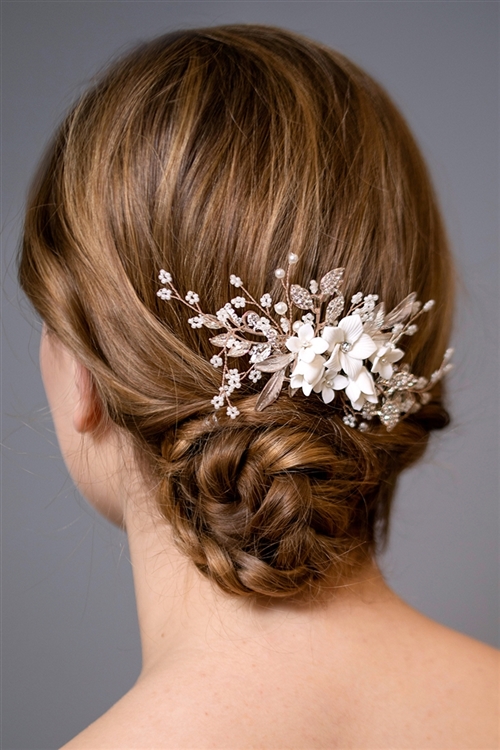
230	242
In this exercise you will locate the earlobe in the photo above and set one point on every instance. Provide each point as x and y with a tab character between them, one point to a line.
87	416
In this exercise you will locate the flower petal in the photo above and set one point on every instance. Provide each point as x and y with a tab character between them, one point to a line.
293	344
339	382
365	382
350	365
333	362
353	391
313	371
305	333
327	394
352	327
333	335
306	388
363	347
319	345
307	354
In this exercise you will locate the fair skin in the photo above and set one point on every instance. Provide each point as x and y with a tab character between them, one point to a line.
361	669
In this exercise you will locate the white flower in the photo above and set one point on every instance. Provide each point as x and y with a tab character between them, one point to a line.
254	375
429	305
285	325
356	298
384	358
313	286
222	315
349	346
216	361
196	322
306	344
232	411
307	374
192	298
411	330
165	294
308	318
330	383
217	401
235	280
361	389
165	277
233	378
263	324
349	420
266	300
238	301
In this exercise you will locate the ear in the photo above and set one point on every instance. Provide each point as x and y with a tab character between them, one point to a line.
88	412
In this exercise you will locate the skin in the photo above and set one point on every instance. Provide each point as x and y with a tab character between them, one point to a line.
360	669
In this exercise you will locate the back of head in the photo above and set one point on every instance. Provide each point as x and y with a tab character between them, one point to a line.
215	152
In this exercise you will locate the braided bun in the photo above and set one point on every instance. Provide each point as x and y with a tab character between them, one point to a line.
273	505
215	152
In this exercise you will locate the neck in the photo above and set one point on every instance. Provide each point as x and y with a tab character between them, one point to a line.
184	617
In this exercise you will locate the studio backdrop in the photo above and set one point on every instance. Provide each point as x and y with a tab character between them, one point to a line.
69	634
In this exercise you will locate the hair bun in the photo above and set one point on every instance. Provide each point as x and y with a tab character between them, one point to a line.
267	505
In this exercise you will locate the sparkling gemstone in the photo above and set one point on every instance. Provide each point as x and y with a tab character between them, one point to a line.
280	273
346	346
281	308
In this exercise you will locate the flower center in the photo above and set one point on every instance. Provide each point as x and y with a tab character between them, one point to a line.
346	347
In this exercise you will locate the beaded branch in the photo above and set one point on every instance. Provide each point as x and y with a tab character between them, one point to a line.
309	340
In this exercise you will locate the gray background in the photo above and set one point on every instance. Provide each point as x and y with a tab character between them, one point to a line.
70	634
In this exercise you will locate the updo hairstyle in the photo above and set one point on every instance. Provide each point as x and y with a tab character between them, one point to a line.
218	151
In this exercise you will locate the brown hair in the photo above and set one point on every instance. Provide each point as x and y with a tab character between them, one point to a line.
218	151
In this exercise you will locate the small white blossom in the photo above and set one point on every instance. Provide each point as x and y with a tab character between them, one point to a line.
192	298
238	301
308	318
217	401
285	325
222	315
232	411
216	361
397	328
165	277
235	280
429	305
361	389
254	375
313	286
233	378
164	294
356	298
266	300
411	330
384	358
349	346
196	322
349	420
264	324
306	344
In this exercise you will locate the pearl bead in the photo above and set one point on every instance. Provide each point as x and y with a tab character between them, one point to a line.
280	273
281	308
297	325
293	258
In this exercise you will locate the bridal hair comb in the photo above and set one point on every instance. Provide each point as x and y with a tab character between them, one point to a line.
309	339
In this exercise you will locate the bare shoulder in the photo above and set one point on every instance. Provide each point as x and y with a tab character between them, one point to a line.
456	679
